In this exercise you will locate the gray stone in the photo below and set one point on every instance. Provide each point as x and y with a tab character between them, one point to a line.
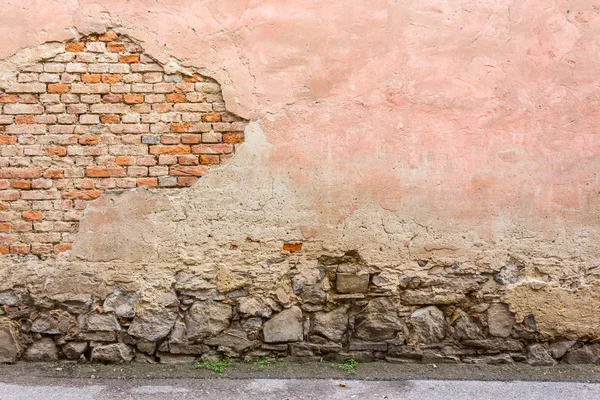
588	354
539	355
186	348
10	348
465	327
233	339
252	324
352	283
74	350
435	357
509	273
152	324
373	346
10	298
423	297
146	347
112	353
500	320
98	322
495	344
206	319
284	327
331	325
253	307
428	325
378	321
495	359
42	350
167	358
53	323
558	349
121	303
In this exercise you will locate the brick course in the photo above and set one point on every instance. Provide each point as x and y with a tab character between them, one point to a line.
101	116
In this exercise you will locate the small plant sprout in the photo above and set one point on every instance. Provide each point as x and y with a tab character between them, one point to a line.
349	365
216	366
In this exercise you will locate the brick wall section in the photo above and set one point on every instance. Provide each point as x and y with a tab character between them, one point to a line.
100	116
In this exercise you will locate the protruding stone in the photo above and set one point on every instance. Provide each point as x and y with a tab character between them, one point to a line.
10	348
496	344
465	327
254	307
378	321
233	339
284	327
42	350
53	322
558	349
422	297
74	350
121	303
495	359
152	324
352	283
539	355
428	325
112	353
98	322
500	320
331	325
588	354
206	319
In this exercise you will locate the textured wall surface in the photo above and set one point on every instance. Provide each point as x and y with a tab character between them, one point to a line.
418	180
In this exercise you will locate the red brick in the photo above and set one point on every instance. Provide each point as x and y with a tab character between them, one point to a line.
88	140
4	250
233	138
56	151
191	139
179	127
4	227
124	160
15	173
108	78
193	78
197	170
129	58
148	182
8	98
24	119
74	47
32	215
85	184
110	119
104	172
58	88
9	195
20	184
8	140
292	247
161	108
54	173
62	247
19	249
82	194
206	159
116	47
175	98
112	98
40	249
184	87
90	78
188	159
131	98
170	139
108	37
212	117
212	149
180	149
186	180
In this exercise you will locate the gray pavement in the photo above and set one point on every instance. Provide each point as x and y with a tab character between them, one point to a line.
266	389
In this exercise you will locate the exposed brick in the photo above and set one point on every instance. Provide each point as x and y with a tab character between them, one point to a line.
104	172
58	88
74	46
8	140
147	182
21	249
20	184
88	140
133	98
186	180
116	47
56	151
82	194
206	159
180	149
32	215
175	97
108	37
4	227
112	98
62	247
233	138
292	247
16	173
179	127
110	119
211	117
54	173
212	149
124	160
4	250
111	78
8	98
197	170
129	58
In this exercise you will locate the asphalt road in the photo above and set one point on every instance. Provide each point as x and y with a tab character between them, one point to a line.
266	389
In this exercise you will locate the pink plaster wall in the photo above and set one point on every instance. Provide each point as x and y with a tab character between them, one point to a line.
468	110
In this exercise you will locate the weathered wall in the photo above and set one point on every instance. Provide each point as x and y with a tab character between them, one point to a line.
447	149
